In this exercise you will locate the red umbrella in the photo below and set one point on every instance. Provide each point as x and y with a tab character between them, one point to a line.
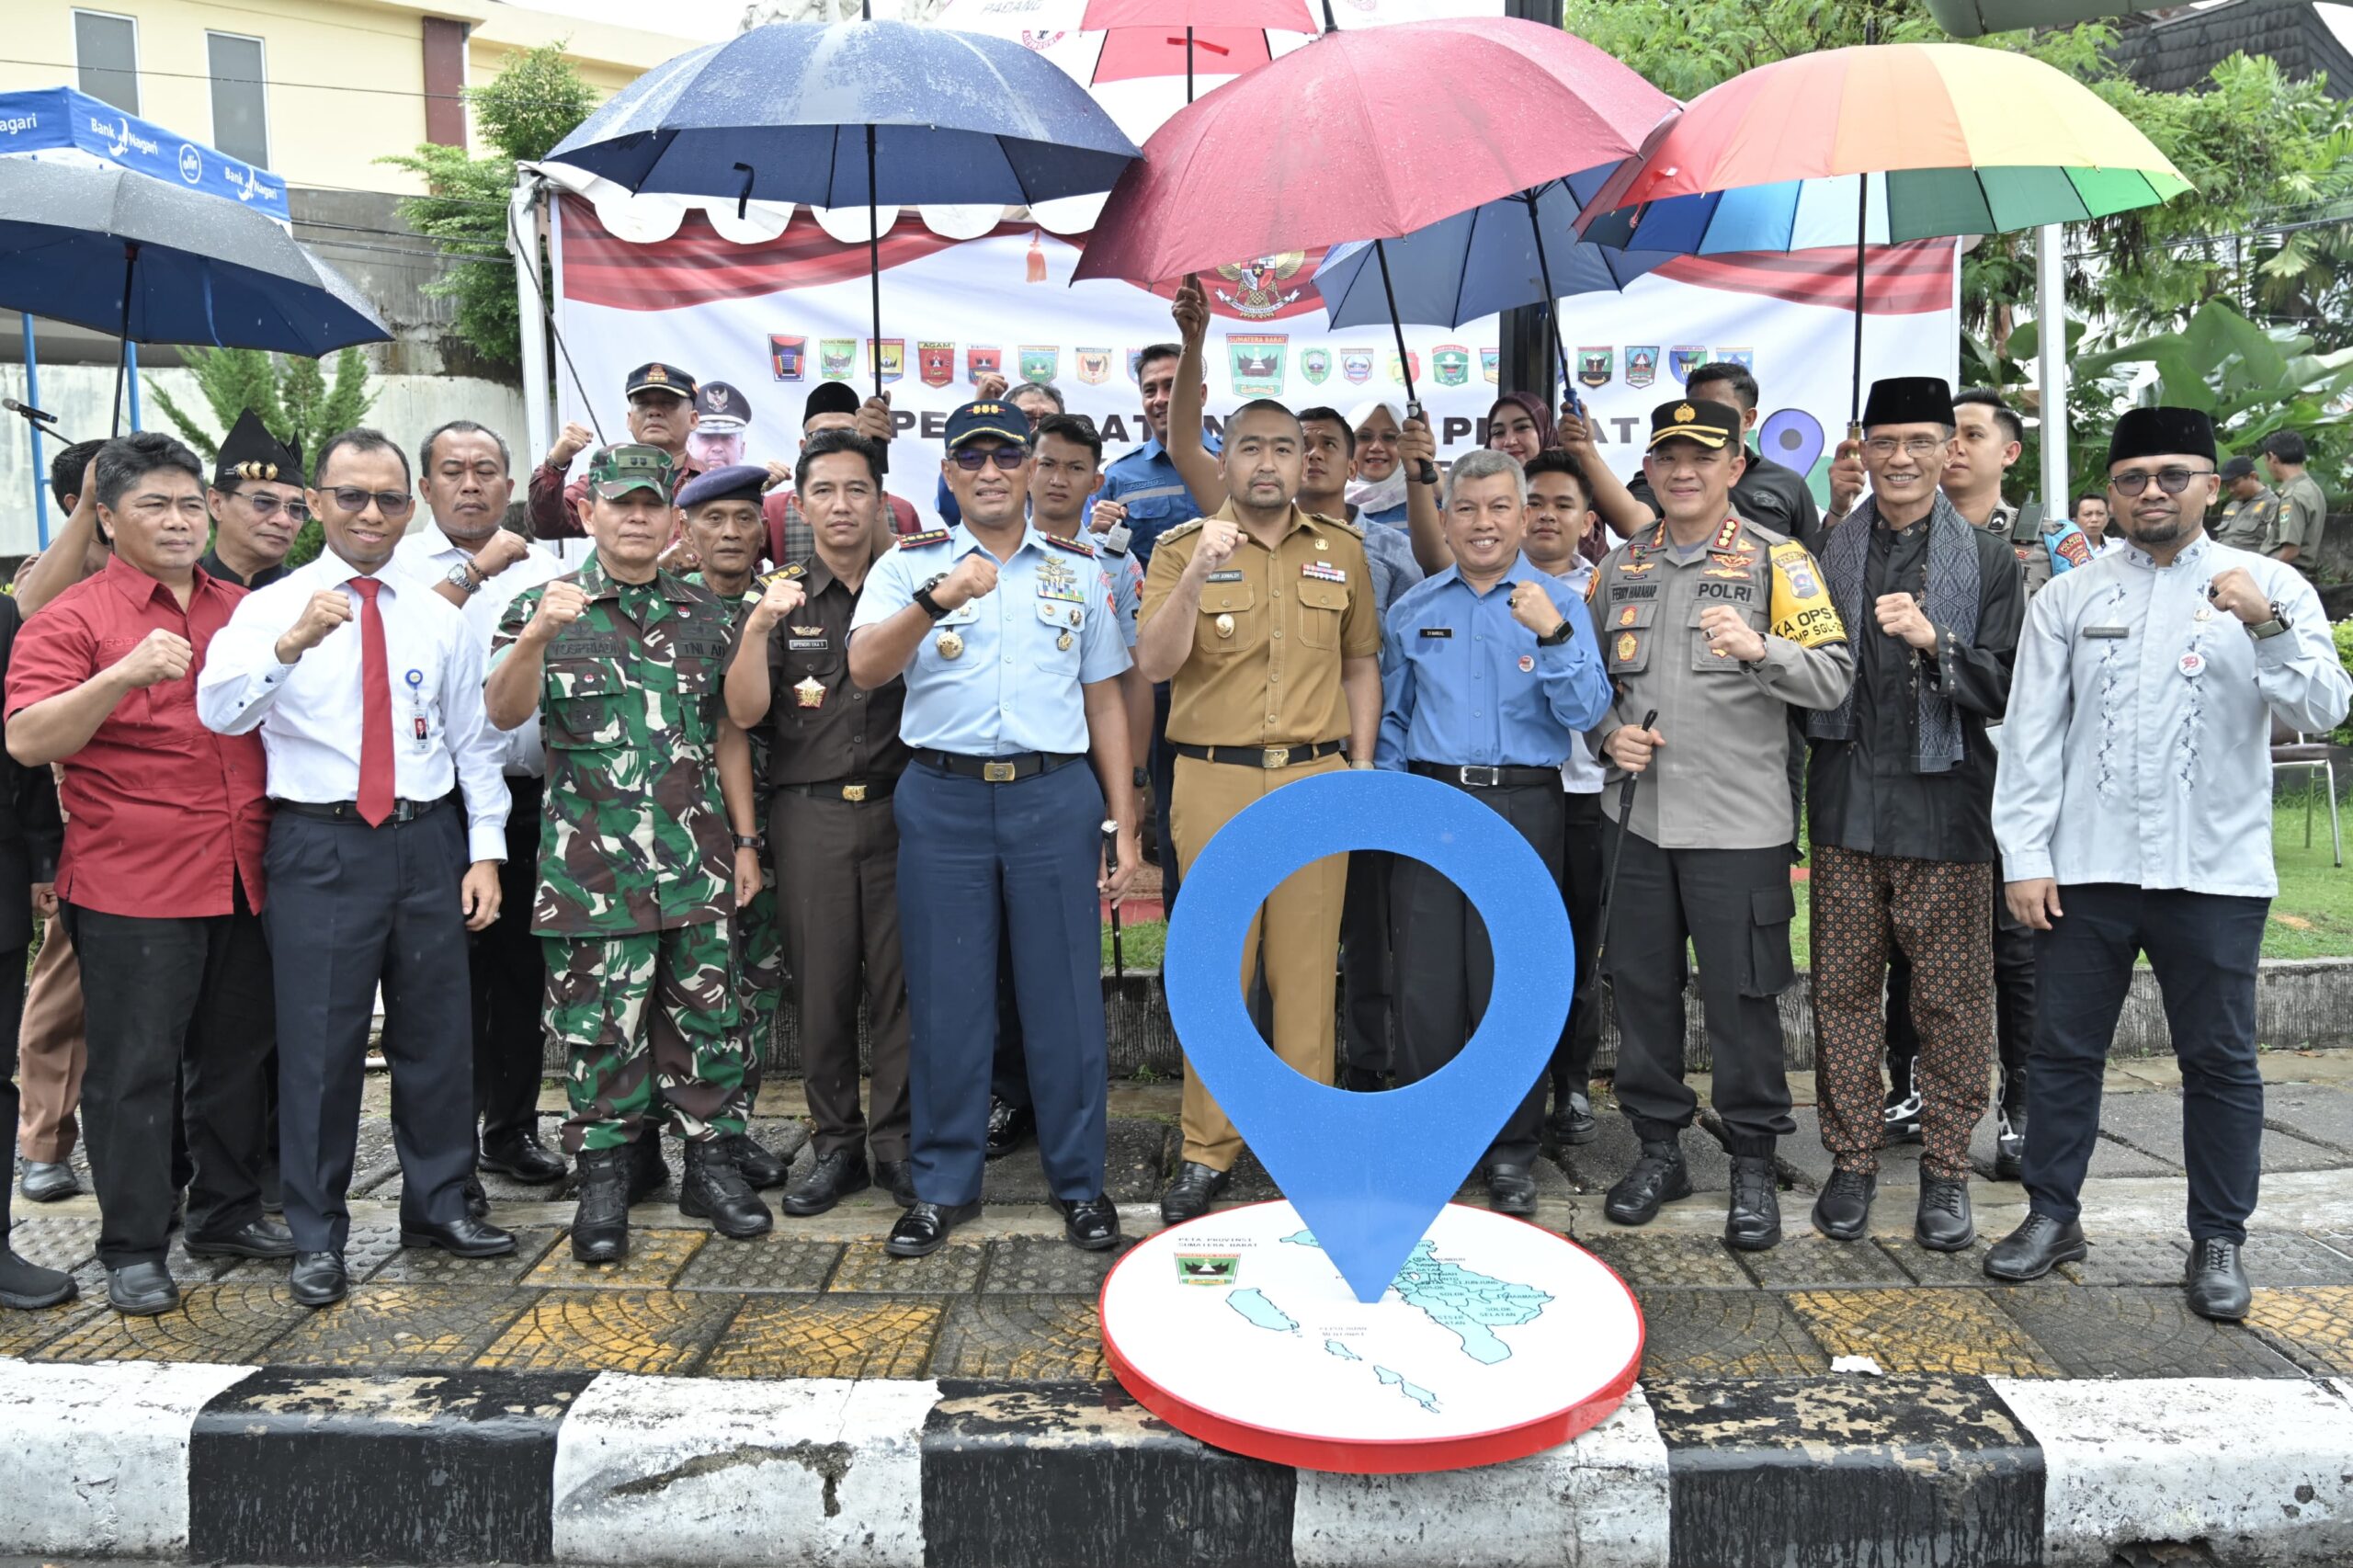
1368	135
1137	40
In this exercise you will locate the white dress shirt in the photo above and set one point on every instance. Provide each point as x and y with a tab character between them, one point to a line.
426	555
2137	748
309	711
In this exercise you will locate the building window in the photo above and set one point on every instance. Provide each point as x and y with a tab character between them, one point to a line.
240	115
106	48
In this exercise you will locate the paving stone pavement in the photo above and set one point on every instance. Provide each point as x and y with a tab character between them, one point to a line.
1007	1298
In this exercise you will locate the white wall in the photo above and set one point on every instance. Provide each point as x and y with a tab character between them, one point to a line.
82	396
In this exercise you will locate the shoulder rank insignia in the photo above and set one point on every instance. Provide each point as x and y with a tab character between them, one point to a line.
1341	523
1656	541
1074	546
931	536
1181	529
1727	537
785	575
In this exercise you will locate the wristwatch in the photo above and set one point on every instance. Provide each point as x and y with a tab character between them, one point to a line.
464	578
1558	635
750	841
931	606
1143	778
2263	630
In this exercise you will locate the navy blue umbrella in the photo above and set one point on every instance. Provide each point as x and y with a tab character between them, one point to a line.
847	113
1522	250
124	252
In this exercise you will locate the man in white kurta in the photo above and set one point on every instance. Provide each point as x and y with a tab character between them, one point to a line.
2133	809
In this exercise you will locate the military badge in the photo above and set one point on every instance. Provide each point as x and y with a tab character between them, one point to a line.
1451	365
1256	363
1315	366
979	362
1356	366
1224	624
809	692
1094	366
1062	642
1641	365
936	362
886	358
1040	364
837	359
1258	294
1629	615
788	356
807	632
951	645
1627	643
1595	365
1682	361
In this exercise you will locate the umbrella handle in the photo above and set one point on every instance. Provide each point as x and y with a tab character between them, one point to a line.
1429	474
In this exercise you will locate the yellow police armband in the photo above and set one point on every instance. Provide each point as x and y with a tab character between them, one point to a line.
1802	609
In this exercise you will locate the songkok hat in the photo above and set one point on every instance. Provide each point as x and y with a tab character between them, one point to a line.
737	481
1909	400
250	451
829	397
2162	432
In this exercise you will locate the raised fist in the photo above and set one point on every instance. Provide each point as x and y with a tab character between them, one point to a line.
783	596
1220	537
990	388
974	578
576	439
499	551
161	655
1534	609
561	605
328	608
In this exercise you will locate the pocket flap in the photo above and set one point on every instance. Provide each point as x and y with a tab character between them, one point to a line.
1773	906
1316	594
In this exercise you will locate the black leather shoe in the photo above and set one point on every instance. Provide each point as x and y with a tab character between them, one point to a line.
1658	1176
1190	1196
2009	1144
1572	1123
257	1238
46	1181
142	1290
600	1223
468	1237
896	1178
923	1230
27	1286
648	1172
1843	1211
521	1157
2039	1245
1511	1190
1753	1221
317	1278
758	1164
2217	1280
1010	1126
477	1200
1944	1222
832	1178
715	1191
1092	1224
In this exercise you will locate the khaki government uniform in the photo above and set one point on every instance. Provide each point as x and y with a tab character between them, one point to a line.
1260	695
2247	525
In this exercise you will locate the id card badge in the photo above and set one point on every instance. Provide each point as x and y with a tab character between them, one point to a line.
420	727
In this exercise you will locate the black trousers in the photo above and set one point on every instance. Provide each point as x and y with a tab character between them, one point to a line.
1162	766
351	907
1446	966
179	1014
1368	963
510	971
1733	908
2203	949
2013	1006
12	1018
1581	872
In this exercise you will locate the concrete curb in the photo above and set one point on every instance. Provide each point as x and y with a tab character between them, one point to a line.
273	1465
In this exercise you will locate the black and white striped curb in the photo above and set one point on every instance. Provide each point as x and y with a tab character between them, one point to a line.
217	1464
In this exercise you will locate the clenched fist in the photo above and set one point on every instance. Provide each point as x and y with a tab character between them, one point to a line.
874	419
783	596
561	605
1575	437
1845	478
974	578
1106	516
1899	615
1630	748
2235	591
577	438
160	656
1729	634
1415	446
499	551
1220	537
328	608
990	388
1534	609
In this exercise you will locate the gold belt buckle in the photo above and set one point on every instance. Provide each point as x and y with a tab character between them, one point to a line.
853	792
1276	757
998	772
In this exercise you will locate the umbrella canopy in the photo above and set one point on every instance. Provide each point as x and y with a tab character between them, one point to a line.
1158	37
119	252
1368	135
781	113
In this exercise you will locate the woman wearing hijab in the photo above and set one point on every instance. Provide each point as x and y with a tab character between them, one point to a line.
1378	491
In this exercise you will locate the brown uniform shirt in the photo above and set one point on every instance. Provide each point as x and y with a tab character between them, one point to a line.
822	727
1274	625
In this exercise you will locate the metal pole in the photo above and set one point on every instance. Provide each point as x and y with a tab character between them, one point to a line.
32	396
2050	371
1188	65
1404	356
522	244
130	352
1862	225
1552	305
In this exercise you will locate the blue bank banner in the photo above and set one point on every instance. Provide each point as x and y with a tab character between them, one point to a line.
58	120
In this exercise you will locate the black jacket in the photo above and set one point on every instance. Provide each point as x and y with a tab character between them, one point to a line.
32	830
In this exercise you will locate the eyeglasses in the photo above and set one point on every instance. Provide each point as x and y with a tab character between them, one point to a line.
971	459
391	502
265	505
2172	481
1917	447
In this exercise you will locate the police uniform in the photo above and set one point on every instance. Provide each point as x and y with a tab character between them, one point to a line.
1702	855
999	819
1258	704
1474	699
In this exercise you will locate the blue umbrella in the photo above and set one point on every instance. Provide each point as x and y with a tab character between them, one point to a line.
120	252
843	113
1522	250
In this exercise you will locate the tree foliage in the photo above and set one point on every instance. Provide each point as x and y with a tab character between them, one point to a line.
293	397
532	104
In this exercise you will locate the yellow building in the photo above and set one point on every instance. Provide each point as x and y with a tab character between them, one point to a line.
315	91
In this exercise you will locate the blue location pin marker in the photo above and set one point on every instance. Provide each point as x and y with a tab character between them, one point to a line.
1369	1172
1794	438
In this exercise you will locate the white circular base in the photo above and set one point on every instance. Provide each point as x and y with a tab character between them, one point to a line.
1497	1339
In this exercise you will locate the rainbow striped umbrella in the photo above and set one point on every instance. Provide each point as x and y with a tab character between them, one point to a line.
1878	145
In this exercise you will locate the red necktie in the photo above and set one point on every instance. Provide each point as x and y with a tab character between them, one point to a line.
375	709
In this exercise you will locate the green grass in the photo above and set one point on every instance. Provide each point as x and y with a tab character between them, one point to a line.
1140	943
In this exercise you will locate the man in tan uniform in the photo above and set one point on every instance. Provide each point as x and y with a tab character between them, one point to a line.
1261	618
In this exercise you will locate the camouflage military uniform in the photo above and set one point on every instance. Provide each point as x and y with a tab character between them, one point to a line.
759	941
637	859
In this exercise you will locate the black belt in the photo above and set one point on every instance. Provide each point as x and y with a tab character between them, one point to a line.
997	769
1259	756
348	810
1479	777
850	789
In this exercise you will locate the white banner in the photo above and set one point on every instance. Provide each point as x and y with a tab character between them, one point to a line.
774	318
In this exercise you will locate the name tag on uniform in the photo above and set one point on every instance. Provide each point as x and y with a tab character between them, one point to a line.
1229	575
2108	631
807	644
1438	632
1324	572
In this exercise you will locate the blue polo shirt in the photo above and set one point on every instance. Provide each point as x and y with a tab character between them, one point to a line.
1146	482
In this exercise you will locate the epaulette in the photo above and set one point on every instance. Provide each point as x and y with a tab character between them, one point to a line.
1341	523
785	573
1074	546
916	541
1180	530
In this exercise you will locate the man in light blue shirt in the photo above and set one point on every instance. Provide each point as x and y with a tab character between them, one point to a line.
2133	807
1487	686
1011	650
